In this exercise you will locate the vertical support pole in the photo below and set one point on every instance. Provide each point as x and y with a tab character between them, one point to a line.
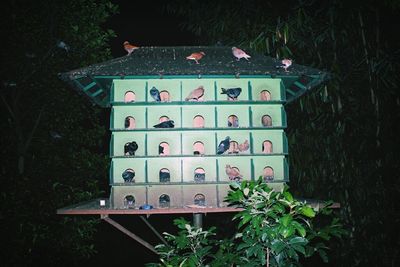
198	220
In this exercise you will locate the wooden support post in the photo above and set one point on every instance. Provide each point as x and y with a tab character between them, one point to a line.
128	233
198	220
154	230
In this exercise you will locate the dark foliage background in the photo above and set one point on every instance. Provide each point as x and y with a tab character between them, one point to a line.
343	137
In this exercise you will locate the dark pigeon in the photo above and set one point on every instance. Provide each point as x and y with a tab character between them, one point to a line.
199	177
128	176
164	177
232	93
155	94
130	148
223	145
160	150
165	124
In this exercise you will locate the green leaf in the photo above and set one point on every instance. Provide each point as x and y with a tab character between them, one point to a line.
285	220
277	246
307	211
300	229
288	196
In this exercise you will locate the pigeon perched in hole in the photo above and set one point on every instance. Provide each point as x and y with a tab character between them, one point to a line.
160	150
127	122
164	176
268	178
223	145
286	63
239	53
128	176
199	177
165	124
130	148
232	93
244	146
233	173
155	94
233	121
196	56
195	94
130	201
129	48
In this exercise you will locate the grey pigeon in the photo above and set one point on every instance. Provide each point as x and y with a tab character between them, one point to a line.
165	124
223	145
232	93
128	176
130	148
155	94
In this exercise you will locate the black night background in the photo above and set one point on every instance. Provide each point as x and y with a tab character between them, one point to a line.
343	136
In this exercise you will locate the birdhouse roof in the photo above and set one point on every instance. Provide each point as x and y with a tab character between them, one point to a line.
95	81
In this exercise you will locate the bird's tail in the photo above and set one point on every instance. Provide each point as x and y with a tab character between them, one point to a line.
223	91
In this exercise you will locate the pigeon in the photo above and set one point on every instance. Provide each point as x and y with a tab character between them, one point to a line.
232	93
165	124
199	200
268	178
128	176
245	146
129	48
239	53
155	94
130	201
223	145
286	63
164	176
195	94
199	177
196	56
130	148
160	150
233	121
233	173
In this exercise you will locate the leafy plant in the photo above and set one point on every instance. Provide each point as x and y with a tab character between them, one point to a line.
274	229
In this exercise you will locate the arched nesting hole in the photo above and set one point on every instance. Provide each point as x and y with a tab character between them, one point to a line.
199	199
129	97
233	121
199	175
129	202
266	121
233	147
267	147
164	96
163	149
130	148
129	176
198	121
130	122
164	201
165	176
265	95
163	118
198	148
268	174
234	174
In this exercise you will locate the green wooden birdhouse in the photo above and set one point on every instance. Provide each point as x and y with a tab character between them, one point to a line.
183	130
